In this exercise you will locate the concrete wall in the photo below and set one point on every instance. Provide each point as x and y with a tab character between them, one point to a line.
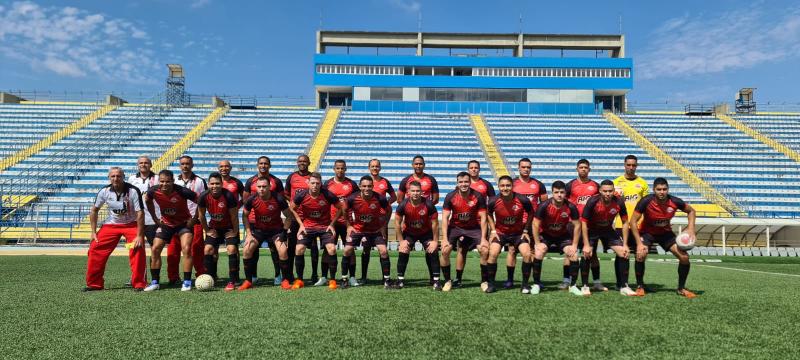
473	107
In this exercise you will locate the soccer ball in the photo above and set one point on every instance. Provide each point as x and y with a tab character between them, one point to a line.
204	282
685	242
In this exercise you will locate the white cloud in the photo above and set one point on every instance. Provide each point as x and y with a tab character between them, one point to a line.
72	42
410	6
196	4
737	39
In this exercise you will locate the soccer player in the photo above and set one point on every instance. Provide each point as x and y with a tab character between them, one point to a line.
188	179
383	188
223	209
463	227
297	182
143	180
550	229
312	212
264	164
509	215
631	188
176	219
597	224
416	219
536	193
430	188
366	219
578	192
656	211
342	186
229	182
125	219
265	208
476	182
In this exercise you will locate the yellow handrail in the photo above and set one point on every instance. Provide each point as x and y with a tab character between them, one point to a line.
694	181
490	149
55	137
320	142
760	137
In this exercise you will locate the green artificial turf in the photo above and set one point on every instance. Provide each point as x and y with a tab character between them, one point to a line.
737	315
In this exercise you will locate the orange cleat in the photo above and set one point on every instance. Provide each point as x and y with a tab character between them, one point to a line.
687	294
285	285
297	284
332	284
245	285
640	291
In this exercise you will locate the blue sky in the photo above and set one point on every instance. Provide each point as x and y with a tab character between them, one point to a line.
699	51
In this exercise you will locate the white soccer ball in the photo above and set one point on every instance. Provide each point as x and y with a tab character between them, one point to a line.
204	282
685	241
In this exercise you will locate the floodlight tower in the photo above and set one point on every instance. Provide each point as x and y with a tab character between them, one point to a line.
176	82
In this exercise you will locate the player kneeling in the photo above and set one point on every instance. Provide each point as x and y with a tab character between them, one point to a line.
509	216
597	224
366	218
550	229
657	210
222	206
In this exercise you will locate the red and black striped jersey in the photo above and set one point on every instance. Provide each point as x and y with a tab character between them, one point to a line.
465	211
417	219
554	219
509	216
218	208
266	214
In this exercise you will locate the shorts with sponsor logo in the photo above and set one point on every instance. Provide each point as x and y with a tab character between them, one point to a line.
221	239
268	236
666	240
424	239
166	232
608	237
369	239
514	240
467	239
323	236
556	242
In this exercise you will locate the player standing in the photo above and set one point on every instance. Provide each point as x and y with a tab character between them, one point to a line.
263	165
463	226
631	188
579	191
188	179
383	188
416	219
342	187
536	193
223	228
366	219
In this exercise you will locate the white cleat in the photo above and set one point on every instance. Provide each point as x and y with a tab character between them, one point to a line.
484	286
187	285
152	287
627	291
575	291
585	291
321	282
448	285
598	286
353	282
536	289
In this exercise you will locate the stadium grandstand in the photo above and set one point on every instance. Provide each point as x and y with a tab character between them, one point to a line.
440	101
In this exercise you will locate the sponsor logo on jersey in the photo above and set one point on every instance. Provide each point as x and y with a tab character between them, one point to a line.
217	217
464	216
169	211
583	199
315	214
265	218
509	220
417	224
366	218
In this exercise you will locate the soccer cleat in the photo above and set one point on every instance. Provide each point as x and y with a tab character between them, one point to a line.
345	283
363	281
138	289
598	286
525	289
536	289
153	286
575	291
172	283
585	290
437	286
354	282
129	284
187	285
627	291
245	285
640	291
448	285
490	288
457	283
285	285
254	280
687	294
320	282
277	280
508	284
399	284
564	284
230	287
332	284
89	288
298	283
387	284
484	286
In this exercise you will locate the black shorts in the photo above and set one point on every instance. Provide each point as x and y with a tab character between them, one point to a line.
467	239
166	232
150	233
665	240
340	232
424	239
312	235
556	243
369	239
268	236
631	239
608	237
514	240
221	239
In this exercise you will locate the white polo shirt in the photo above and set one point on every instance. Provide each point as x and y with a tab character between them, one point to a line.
122	206
144	183
194	183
